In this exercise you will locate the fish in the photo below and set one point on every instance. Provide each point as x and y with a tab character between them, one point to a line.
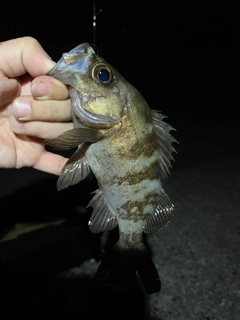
129	148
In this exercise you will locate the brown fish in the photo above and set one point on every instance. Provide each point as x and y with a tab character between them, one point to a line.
128	147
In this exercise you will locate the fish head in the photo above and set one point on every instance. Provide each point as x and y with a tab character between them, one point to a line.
96	87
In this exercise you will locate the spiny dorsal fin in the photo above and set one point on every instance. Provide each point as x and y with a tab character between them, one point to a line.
103	217
164	140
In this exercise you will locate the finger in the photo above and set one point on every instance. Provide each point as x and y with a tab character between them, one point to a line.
24	55
46	87
26	108
9	89
39	129
50	163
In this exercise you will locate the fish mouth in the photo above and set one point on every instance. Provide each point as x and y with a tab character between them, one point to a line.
88	118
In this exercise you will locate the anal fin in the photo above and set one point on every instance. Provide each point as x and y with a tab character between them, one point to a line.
103	217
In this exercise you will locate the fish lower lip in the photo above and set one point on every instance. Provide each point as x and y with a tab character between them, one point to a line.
93	118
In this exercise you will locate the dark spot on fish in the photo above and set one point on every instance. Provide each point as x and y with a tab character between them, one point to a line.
137	214
132	216
144	146
150	172
131	237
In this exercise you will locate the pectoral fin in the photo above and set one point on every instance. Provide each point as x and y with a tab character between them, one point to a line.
72	138
161	216
103	217
75	170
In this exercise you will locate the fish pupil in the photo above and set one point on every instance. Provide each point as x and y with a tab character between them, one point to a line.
104	75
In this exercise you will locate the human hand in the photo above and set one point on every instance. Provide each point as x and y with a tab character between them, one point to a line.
30	110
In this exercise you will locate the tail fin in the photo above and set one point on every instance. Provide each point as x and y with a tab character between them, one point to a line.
119	267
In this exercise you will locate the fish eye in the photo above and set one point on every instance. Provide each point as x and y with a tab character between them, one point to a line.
102	74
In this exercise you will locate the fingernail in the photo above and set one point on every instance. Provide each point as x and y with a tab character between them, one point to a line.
21	109
40	90
15	123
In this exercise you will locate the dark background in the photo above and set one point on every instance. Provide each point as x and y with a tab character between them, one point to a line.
184	59
182	56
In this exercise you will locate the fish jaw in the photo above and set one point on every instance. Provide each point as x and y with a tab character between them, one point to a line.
87	118
75	61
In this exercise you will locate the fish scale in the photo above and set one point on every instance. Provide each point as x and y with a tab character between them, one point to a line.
128	147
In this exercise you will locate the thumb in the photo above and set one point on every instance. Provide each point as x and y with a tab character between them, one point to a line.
24	55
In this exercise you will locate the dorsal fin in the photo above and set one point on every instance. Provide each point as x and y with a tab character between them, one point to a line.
164	141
